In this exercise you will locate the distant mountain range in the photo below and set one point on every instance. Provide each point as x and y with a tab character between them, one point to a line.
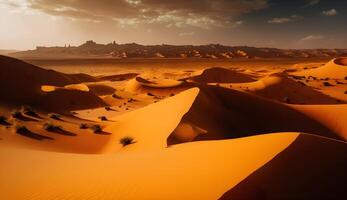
7	51
91	49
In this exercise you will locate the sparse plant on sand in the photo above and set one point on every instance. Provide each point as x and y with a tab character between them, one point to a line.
96	128
16	114
54	116
327	83
83	126
21	129
51	127
27	110
102	118
3	120
126	141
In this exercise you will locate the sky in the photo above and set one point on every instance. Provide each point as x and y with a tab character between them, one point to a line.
292	24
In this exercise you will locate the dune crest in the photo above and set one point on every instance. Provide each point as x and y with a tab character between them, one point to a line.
335	68
150	126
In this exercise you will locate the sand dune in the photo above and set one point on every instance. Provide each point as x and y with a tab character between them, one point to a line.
21	82
335	69
118	77
157	121
164	134
310	168
226	113
284	89
201	170
221	75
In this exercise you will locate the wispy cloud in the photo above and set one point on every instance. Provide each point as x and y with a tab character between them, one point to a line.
282	20
311	2
331	12
312	37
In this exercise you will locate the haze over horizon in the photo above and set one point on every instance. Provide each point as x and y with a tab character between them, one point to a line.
296	24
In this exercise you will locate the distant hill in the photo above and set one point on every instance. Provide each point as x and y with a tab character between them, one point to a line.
91	49
7	51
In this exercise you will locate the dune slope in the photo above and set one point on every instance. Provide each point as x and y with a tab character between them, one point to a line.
201	170
225	113
221	75
310	168
20	83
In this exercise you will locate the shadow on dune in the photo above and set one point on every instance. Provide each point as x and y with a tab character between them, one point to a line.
20	83
61	131
310	168
32	135
226	113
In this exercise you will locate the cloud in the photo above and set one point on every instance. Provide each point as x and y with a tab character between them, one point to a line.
282	20
178	13
311	2
312	37
331	12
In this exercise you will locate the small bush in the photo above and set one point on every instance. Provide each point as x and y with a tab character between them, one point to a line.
21	129
54	116
51	127
327	84
96	128
3	120
16	114
126	141
103	118
83	126
29	111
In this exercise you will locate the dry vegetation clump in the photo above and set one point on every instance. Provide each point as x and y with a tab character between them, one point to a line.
51	127
102	118
325	83
126	141
21	129
96	128
83	126
54	116
27	110
17	114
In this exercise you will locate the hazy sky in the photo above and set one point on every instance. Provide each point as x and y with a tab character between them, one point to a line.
25	24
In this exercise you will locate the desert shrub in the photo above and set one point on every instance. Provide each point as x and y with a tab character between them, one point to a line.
103	118
96	128
16	114
54	116
126	141
51	127
3	120
327	83
29	111
21	129
83	126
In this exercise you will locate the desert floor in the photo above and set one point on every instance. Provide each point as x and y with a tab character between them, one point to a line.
173	129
